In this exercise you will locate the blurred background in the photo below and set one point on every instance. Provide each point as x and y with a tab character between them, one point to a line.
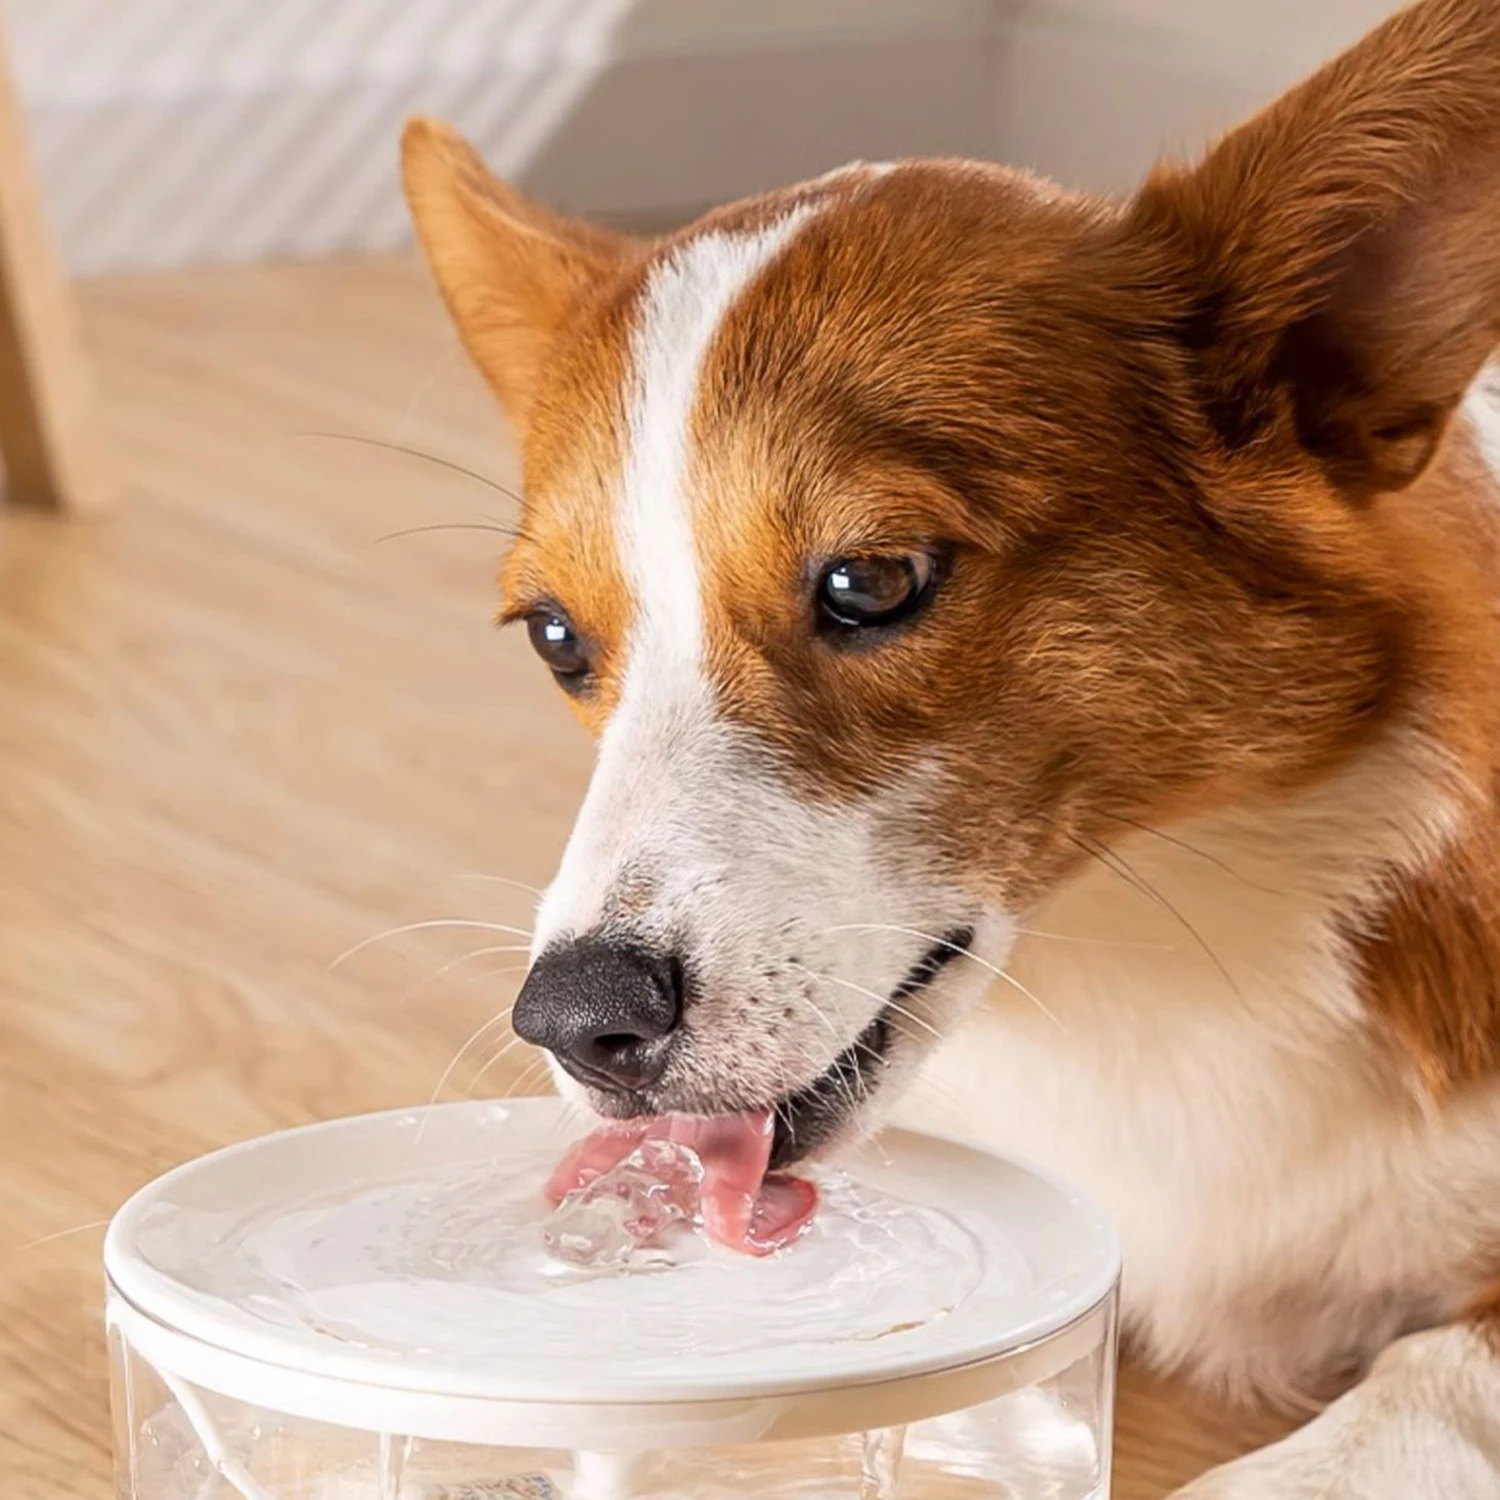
170	132
275	800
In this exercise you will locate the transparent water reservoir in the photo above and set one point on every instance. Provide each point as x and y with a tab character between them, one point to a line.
364	1309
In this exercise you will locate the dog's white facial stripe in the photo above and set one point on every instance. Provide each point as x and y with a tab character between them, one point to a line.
688	838
684	304
664	717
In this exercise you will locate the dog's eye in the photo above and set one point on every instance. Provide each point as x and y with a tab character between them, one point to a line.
858	592
558	644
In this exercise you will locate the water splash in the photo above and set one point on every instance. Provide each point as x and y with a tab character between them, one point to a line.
622	1220
455	1265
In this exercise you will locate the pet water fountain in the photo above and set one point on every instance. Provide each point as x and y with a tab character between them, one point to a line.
377	1309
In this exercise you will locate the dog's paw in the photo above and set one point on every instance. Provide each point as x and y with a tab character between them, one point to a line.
1424	1425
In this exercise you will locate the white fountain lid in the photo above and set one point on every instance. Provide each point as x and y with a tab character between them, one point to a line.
340	1272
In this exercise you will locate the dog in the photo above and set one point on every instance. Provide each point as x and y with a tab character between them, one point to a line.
1045	659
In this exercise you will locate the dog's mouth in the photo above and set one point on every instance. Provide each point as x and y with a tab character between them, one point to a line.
749	1203
814	1116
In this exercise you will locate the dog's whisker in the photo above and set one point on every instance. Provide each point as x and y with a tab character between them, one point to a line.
959	950
466	958
780	1113
519	885
470	980
832	1030
430	458
898	929
496	1057
405	531
487	1029
381	937
570	1116
843	1081
897	1009
825	979
524	1080
894	1006
952	1104
1016	984
59	1234
853	1096
1112	860
898	1013
822	1016
1094	942
1187	848
471	1089
781	1110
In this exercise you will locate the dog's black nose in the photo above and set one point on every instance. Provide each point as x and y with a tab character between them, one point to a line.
608	1011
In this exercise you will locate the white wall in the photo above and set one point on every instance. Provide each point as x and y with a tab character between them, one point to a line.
170	131
1091	92
175	131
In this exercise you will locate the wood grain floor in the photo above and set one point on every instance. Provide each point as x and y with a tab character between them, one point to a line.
243	727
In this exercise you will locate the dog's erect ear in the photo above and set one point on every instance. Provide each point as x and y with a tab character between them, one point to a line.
1342	249
509	270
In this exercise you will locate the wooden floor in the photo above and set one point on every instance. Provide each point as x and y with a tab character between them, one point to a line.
243	727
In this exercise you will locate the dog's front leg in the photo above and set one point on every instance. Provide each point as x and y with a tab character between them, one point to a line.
1423	1425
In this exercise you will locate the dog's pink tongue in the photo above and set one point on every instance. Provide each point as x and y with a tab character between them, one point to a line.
742	1207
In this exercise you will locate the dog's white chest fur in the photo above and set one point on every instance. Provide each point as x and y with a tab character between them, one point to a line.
1286	1203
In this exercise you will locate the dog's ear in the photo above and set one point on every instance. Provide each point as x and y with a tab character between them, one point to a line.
509	270
1341	251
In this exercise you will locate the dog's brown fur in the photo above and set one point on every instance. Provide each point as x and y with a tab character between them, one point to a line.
1155	429
1213	530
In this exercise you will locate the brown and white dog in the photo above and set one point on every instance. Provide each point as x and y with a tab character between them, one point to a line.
1046	662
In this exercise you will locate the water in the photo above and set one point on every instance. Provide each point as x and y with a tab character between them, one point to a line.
625	1219
466	1268
456	1265
1027	1446
608	1476
880	1463
861	1467
394	1453
866	1466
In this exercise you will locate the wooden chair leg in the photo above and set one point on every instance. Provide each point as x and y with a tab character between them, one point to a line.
48	424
